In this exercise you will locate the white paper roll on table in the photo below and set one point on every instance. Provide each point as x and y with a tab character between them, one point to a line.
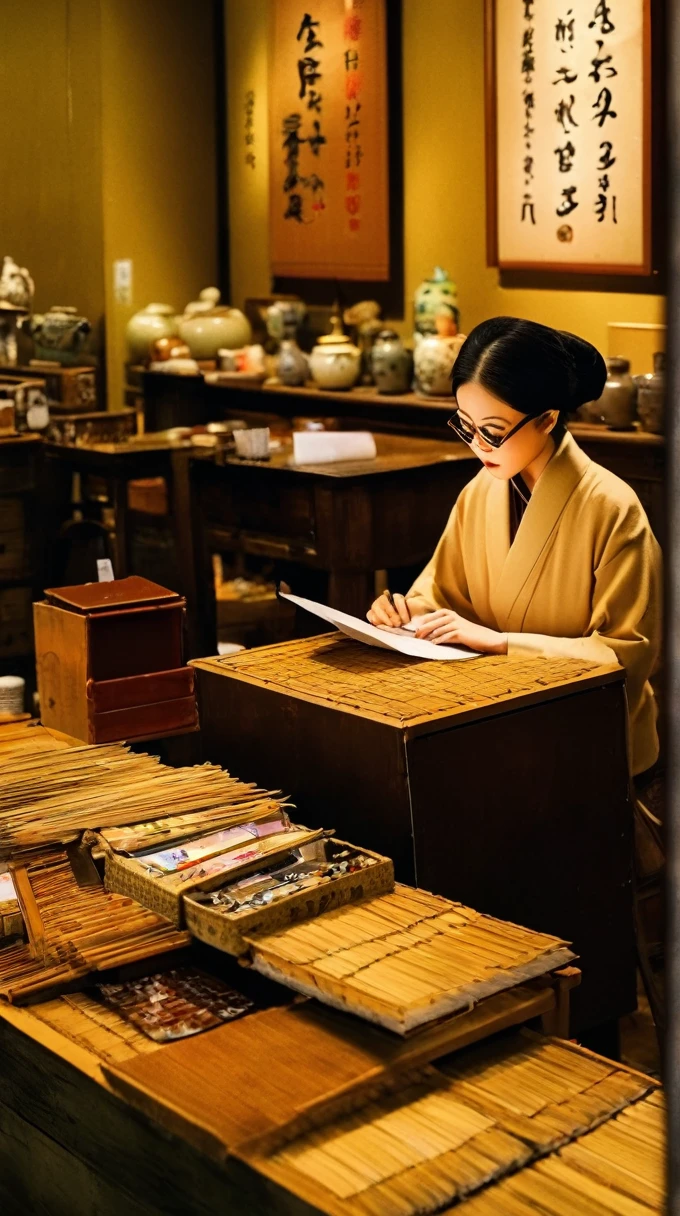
329	447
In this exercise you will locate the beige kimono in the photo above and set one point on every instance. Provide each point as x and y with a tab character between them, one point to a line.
581	580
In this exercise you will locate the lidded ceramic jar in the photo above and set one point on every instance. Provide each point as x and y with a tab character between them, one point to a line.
146	326
651	396
616	407
335	361
391	363
206	332
430	297
60	334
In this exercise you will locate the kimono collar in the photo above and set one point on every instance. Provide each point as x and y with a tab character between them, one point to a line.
511	566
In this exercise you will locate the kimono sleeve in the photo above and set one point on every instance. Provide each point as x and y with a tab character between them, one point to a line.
625	622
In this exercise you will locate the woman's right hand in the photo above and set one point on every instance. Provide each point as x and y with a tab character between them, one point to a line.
381	612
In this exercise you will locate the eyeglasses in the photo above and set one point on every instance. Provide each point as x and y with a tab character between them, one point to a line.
467	431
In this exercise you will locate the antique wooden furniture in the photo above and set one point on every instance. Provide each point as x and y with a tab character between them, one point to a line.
502	783
111	663
118	464
328	528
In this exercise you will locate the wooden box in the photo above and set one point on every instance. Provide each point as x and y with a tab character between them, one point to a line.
69	389
102	426
110	661
165	893
499	782
227	930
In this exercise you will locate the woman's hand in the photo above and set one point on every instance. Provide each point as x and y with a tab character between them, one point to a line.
448	628
381	612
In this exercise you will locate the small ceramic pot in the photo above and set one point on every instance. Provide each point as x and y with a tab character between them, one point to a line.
434	358
391	363
147	326
335	362
293	367
651	397
60	334
205	332
616	407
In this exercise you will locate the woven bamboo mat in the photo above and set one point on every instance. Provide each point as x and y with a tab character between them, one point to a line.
340	672
452	1132
74	930
405	958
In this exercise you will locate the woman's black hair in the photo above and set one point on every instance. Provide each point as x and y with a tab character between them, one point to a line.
531	367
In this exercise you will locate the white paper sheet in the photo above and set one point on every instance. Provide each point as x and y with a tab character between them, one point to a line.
330	447
385	639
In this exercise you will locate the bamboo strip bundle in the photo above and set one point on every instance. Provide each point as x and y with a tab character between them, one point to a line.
86	928
405	958
431	1145
619	1168
66	792
172	829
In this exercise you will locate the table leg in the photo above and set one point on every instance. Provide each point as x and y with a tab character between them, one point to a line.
119	488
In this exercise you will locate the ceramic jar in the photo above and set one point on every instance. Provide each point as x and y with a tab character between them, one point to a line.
616	407
431	297
293	367
146	326
434	358
59	335
651	393
391	363
205	332
335	362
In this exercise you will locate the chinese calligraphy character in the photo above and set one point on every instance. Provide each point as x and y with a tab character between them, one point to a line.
528	209
528	168
308	74
565	76
604	100
307	26
528	60
351	60
564	30
601	208
294	209
563	113
599	62
603	15
566	157
607	160
570	204
529	10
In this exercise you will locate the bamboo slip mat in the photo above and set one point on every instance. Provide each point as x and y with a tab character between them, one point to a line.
339	672
406	958
531	1125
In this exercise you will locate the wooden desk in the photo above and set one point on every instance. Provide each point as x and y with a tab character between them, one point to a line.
328	527
118	464
502	783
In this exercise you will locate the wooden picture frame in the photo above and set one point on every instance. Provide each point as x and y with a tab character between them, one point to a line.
639	268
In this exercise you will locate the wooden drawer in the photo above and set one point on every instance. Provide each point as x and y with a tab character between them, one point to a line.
244	499
107	696
141	720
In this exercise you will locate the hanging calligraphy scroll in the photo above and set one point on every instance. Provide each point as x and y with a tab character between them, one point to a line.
569	135
329	204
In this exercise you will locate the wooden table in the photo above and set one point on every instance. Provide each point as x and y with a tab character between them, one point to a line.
328	527
636	456
499	782
118	464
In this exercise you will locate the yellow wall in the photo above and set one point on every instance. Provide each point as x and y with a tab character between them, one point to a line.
108	151
159	158
50	150
443	75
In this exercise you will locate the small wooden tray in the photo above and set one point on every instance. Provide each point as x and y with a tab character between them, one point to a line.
226	930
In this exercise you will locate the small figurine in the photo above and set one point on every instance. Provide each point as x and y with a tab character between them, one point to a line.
16	298
365	317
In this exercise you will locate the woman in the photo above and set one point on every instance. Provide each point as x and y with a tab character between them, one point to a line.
545	552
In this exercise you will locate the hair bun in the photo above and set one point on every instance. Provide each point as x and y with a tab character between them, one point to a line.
589	370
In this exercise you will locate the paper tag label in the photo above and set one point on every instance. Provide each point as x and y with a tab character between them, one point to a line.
122	280
105	570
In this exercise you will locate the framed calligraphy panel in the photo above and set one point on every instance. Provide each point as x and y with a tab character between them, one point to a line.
569	139
328	120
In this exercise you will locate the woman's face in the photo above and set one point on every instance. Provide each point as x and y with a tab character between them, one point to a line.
479	408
